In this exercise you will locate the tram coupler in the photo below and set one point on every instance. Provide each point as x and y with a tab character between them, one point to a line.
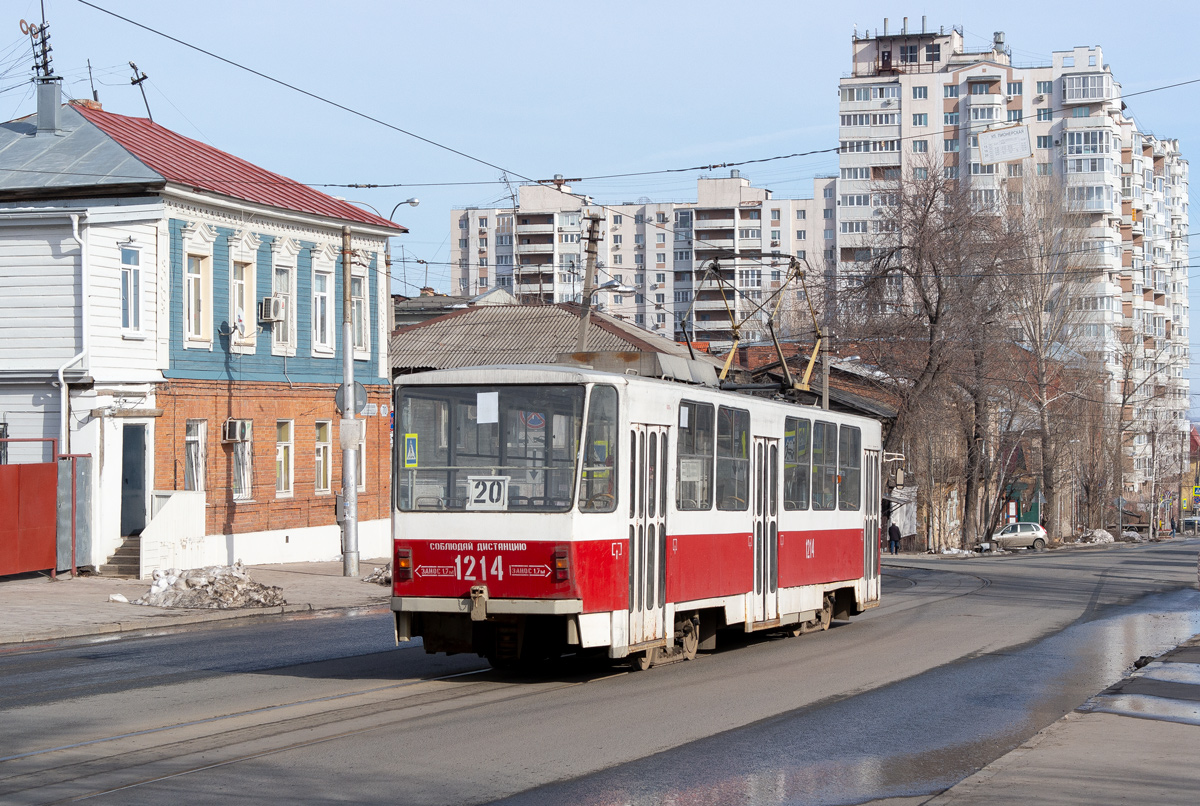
479	600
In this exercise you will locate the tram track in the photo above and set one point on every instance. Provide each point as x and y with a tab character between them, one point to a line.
73	773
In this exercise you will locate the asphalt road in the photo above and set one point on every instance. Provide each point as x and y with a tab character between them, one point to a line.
963	661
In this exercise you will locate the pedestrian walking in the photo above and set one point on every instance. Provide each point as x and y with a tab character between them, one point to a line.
894	538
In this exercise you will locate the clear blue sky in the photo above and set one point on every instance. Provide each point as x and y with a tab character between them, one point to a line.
541	88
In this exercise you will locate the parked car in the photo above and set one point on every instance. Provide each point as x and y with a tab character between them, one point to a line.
1017	535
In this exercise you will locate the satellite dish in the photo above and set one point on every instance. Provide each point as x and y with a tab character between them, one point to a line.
239	322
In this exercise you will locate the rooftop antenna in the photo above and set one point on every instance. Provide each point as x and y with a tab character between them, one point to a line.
39	40
137	80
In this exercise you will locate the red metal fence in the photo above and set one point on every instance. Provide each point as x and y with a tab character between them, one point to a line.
28	511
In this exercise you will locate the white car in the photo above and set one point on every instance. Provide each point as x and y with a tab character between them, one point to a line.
1018	535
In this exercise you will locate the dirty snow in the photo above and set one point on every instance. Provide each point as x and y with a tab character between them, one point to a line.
380	576
218	587
1096	536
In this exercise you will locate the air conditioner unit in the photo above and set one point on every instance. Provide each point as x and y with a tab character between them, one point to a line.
1037	98
272	308
235	431
639	246
1010	97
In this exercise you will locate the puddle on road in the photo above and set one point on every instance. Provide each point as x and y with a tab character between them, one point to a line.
1147	706
914	737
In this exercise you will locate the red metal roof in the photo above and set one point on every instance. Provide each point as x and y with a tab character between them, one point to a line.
189	162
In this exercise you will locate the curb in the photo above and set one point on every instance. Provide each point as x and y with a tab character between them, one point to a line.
284	613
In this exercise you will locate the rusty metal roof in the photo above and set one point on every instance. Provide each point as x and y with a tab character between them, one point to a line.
98	149
514	334
190	162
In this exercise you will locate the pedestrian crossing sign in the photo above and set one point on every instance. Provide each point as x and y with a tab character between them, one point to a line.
410	450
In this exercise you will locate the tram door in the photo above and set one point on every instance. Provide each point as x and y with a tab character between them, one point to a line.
647	532
871	505
766	528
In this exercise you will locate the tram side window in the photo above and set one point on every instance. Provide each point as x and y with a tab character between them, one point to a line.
733	459
824	466
796	461
694	457
849	467
598	487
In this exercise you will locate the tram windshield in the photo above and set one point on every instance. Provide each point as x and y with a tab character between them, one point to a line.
500	448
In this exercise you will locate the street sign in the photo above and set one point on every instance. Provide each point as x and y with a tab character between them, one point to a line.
1004	145
410	450
359	401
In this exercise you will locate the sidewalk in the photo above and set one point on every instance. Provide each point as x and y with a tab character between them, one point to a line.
42	609
1133	743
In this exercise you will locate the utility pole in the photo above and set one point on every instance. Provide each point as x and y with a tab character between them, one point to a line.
824	370
349	428
137	81
585	304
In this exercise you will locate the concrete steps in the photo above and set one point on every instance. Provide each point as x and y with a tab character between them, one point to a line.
126	561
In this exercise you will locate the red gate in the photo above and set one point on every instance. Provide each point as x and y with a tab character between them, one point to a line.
28	511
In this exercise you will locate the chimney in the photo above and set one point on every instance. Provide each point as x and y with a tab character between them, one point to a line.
49	98
904	30
885	22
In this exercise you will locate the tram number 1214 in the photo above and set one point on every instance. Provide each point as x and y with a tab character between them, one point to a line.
465	568
487	492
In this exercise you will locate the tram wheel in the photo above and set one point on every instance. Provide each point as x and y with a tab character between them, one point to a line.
689	640
821	622
644	660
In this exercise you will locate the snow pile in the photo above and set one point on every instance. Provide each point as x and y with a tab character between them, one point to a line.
1096	536
380	576
220	587
950	550
1131	536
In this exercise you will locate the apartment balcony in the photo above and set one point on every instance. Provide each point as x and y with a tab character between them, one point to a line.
713	305
534	229
535	248
703	243
714	223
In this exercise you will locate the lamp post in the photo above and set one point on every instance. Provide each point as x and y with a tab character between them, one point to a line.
350	435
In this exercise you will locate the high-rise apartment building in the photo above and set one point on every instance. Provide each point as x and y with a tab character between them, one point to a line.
681	270
915	102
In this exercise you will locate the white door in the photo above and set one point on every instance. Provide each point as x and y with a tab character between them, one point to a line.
766	528
872	502
647	532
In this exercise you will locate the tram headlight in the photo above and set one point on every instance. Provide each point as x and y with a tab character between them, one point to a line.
562	564
402	568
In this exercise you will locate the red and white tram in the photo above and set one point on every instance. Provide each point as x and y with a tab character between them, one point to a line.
548	509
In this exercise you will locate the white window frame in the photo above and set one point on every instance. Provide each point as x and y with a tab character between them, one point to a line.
195	452
243	465
283	333
285	459
198	240
360	312
243	250
197	304
323	458
131	289
324	340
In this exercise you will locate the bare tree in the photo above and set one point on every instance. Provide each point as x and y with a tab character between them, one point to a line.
1047	270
